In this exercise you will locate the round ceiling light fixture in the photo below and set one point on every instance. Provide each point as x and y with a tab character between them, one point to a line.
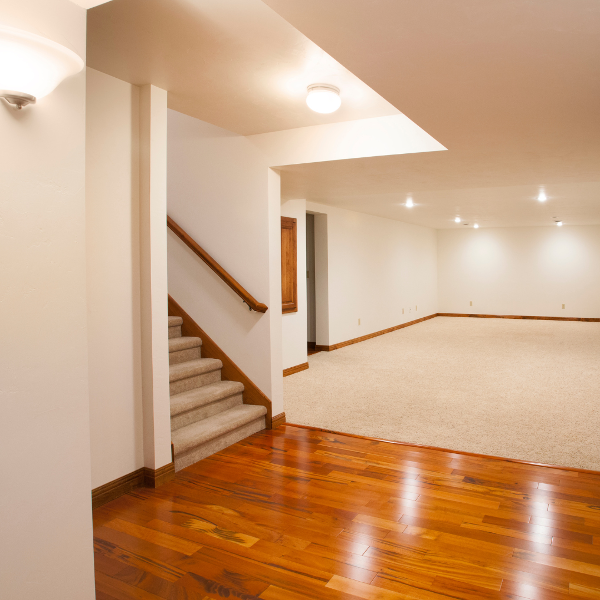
476	226
457	220
323	98
31	66
542	196
409	202
559	223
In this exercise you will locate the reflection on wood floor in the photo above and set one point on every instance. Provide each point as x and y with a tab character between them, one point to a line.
296	514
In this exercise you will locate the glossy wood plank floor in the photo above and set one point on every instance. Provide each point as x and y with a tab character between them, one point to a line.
295	514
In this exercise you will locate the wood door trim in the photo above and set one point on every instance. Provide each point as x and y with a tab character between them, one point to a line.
296	369
292	305
439	449
252	394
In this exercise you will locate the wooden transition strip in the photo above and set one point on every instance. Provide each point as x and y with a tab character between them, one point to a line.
278	420
230	371
296	369
476	316
372	335
462	452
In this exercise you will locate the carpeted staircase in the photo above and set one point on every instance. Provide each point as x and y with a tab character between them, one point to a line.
207	414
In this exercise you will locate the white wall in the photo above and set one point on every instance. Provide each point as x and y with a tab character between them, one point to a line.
45	509
113	276
521	271
221	191
294	332
376	267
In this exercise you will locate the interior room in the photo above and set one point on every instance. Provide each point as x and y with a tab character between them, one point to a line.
301	299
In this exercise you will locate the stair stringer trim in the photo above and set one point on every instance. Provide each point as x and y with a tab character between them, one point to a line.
230	371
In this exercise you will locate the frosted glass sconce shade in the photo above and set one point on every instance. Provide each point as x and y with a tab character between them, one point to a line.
32	66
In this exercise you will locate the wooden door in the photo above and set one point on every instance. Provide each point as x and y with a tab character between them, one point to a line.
289	265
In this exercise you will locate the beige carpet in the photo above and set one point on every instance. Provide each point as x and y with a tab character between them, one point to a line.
515	388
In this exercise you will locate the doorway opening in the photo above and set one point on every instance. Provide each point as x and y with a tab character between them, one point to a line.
317	303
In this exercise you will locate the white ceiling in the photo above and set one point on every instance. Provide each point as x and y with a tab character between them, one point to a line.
511	206
234	63
89	3
510	87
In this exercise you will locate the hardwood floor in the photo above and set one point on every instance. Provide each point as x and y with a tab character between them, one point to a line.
291	514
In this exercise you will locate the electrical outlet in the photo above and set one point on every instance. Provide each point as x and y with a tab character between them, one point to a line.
359	321
563	305
410	310
402	311
471	303
416	308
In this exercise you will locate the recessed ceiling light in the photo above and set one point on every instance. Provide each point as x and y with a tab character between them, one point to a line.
323	98
409	203
559	223
457	220
476	226
542	196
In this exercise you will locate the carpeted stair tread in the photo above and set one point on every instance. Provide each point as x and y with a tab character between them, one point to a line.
184	343
193	368
204	431
204	395
175	321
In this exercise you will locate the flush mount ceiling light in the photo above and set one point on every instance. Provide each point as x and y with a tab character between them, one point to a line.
32	66
457	220
559	223
409	202
476	226
323	98
542	196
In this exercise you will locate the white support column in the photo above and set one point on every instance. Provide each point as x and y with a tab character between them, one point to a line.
153	276
274	312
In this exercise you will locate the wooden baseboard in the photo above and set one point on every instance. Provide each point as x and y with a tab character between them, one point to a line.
296	369
372	335
114	489
230	371
439	449
312	345
278	420
477	316
154	478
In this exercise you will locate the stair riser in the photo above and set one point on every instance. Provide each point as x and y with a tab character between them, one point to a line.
203	412
191	383
216	445
182	356
175	332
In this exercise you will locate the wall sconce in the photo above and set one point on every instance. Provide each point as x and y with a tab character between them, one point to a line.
32	66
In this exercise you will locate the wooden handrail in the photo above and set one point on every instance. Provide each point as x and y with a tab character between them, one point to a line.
252	303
